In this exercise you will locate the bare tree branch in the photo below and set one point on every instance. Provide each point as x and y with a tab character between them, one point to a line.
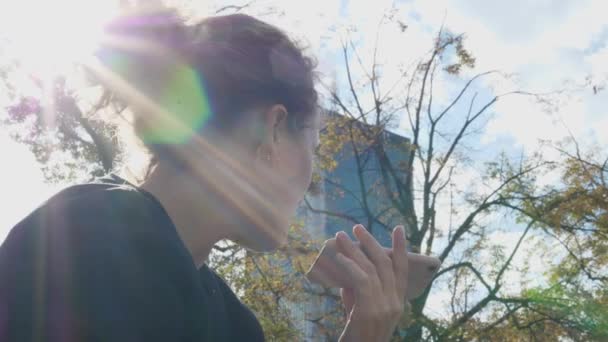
330	213
234	8
350	80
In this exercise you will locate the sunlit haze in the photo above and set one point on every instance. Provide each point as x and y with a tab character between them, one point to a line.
48	36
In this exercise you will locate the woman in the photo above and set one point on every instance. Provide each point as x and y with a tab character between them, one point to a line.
228	110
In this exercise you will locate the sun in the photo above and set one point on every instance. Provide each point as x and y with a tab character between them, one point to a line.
47	38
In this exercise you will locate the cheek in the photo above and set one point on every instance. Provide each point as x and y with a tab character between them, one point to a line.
308	170
304	171
298	169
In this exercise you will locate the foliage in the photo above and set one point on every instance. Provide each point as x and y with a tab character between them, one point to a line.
59	132
273	284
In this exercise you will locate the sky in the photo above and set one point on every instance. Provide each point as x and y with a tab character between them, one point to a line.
544	45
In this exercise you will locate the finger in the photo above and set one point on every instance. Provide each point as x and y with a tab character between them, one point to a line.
400	261
348	299
378	256
350	250
358	277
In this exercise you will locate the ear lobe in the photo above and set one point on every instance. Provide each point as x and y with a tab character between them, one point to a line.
263	155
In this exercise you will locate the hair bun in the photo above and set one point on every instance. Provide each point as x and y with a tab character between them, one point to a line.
141	42
158	24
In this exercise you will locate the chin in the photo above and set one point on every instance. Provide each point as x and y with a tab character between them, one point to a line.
274	242
269	233
284	239
275	234
268	241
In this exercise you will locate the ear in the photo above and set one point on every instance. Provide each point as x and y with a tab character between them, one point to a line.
274	120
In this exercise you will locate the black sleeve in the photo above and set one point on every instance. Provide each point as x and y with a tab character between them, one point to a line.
239	322
246	326
86	267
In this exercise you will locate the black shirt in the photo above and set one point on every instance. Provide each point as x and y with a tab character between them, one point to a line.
103	262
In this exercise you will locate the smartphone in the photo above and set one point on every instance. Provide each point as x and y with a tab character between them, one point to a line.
327	272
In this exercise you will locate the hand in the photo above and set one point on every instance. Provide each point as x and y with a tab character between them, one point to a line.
375	302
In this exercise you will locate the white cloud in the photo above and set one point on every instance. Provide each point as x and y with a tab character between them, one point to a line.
544	43
528	265
601	133
599	61
577	30
521	118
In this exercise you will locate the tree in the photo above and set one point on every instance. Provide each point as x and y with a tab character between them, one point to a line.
271	284
573	213
412	189
66	139
576	212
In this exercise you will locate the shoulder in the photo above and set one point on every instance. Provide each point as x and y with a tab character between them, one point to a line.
107	258
90	210
103	225
98	202
91	229
87	224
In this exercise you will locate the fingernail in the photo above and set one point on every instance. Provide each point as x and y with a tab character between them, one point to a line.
360	226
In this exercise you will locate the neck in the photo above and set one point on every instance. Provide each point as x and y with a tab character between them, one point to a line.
198	224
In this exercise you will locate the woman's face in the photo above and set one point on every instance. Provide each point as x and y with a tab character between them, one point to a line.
283	165
294	161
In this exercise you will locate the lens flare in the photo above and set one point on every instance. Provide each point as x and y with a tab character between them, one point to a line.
180	92
184	97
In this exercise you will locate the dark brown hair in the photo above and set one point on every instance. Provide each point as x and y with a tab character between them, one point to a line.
242	62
